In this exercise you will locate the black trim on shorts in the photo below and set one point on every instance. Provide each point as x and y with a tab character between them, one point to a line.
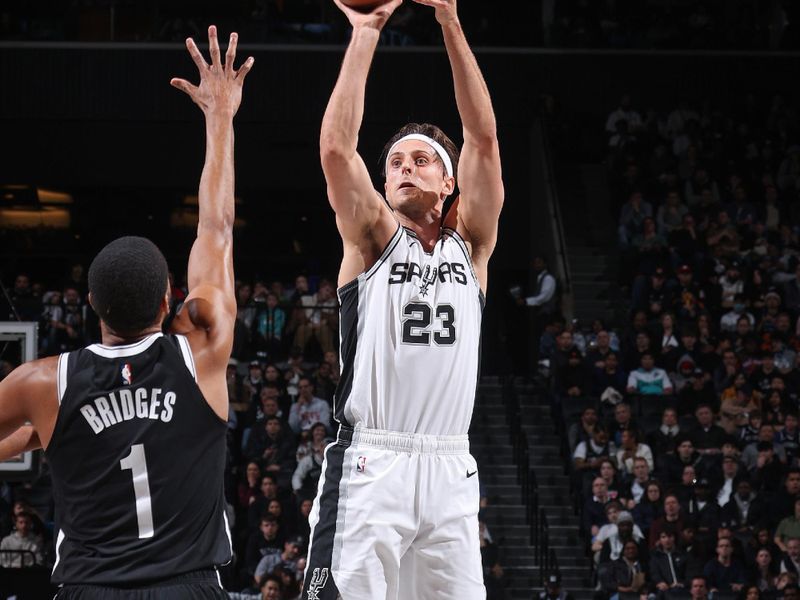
319	561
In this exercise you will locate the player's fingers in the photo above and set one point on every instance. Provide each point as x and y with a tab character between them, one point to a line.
213	46
183	85
230	54
194	52
245	68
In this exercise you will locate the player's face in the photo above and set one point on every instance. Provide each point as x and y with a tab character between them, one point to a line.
416	181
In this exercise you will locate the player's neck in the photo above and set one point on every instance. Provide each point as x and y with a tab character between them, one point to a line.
427	229
110	337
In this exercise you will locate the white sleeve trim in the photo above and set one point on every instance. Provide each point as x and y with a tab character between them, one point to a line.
186	351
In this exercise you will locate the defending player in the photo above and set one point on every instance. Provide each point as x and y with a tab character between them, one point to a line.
134	428
396	516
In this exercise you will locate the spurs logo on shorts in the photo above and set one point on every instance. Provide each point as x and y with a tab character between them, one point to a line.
318	581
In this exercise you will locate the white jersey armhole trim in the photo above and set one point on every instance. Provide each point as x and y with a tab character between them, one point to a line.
186	352
61	381
59	541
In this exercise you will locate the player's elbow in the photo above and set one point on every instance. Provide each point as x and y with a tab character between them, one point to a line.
334	149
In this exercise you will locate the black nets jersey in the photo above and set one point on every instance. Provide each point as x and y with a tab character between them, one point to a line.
137	459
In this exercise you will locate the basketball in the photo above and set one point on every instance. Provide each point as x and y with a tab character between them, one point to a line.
363	5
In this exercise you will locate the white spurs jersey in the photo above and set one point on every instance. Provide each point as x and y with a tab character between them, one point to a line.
410	339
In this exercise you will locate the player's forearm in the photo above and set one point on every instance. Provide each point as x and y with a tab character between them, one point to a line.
216	195
472	95
345	111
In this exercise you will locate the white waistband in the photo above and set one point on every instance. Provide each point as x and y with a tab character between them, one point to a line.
410	442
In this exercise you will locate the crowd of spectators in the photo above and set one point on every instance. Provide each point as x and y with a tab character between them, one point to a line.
683	425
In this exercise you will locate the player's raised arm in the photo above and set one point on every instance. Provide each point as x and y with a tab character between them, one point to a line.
479	174
210	309
364	221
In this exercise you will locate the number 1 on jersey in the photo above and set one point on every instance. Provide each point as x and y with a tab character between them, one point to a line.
136	462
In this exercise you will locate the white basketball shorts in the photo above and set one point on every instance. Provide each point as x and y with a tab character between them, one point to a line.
395	518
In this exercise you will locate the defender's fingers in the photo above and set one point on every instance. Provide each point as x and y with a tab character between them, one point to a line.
213	45
230	54
245	68
197	57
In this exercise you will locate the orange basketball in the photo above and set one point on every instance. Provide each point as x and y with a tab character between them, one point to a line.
363	5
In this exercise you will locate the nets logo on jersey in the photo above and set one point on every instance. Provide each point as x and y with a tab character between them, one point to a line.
318	581
127	374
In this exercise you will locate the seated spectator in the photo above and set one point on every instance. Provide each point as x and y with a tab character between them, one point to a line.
725	487
788	528
615	535
706	436
588	455
698	391
671	519
649	507
724	373
744	508
610	474
583	430
636	488
308	409
685	454
625	575
728	321
648	379
289	559
22	539
629	450
724	573
764	573
609	377
317	441
632	216
248	489
594	516
308	471
667	564
598	351
698	588
258	508
704	511
767	473
736	406
790	563
270	446
789	438
552	589
571	378
264	541
766	434
623	420
662	440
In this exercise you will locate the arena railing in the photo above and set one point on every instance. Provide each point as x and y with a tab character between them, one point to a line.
535	516
17	559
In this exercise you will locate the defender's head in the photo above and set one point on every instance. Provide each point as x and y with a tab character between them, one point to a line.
420	164
128	285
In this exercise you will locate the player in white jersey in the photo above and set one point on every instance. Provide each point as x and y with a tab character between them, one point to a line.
396	512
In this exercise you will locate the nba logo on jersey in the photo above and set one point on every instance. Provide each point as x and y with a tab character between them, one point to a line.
126	373
318	581
361	465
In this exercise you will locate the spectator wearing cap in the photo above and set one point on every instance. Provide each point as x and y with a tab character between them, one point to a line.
732	285
667	564
613	511
552	589
768	471
789	527
698	392
745	507
651	294
288	559
253	382
724	573
727	323
707	436
649	380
